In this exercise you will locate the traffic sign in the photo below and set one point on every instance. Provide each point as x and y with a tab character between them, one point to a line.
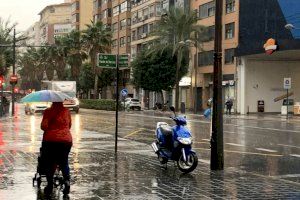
124	92
13	79
106	61
123	60
287	83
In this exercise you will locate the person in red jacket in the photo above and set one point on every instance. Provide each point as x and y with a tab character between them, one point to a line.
56	144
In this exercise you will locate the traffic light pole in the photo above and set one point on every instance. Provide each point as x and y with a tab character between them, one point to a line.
14	72
217	148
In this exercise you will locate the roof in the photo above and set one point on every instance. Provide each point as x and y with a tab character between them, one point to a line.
54	5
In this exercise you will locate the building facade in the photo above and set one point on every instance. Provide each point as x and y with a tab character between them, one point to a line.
32	35
55	21
82	13
202	59
268	52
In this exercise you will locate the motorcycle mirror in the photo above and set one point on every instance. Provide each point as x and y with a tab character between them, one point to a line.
172	108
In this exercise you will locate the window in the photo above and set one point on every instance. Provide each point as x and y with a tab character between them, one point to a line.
158	9
146	13
114	27
128	39
97	17
116	11
128	22
211	33
145	28
124	6
150	27
134	18
106	13
122	24
229	31
122	41
229	56
105	1
75	6
52	10
140	15
151	11
230	6
207	10
133	35
114	43
205	58
75	18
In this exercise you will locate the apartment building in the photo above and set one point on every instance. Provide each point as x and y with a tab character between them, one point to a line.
202	59
82	13
32	34
55	21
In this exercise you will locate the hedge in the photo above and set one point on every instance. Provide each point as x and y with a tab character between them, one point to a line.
99	104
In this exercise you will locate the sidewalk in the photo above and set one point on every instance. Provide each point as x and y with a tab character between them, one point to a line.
134	174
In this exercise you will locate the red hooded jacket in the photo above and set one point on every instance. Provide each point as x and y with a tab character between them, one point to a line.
56	124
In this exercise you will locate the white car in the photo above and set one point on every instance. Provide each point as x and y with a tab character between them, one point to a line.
132	103
31	108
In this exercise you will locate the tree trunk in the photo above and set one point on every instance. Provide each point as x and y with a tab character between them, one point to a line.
177	81
93	60
162	96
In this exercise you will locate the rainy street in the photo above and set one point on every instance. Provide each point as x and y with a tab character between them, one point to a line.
262	158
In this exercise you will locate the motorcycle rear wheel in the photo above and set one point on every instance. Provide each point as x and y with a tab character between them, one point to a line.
189	165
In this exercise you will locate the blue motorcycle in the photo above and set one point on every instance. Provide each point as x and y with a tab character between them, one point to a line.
175	143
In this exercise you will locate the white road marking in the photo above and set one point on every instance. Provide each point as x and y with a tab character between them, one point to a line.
208	122
267	150
287	176
238	145
295	155
206	140
286	145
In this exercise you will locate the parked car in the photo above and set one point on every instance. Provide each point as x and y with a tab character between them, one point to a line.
131	103
31	108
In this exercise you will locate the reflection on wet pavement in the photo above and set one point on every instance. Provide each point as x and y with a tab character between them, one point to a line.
136	173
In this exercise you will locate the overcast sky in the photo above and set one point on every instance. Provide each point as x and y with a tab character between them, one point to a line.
24	12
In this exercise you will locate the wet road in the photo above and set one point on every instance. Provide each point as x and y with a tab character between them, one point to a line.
264	146
261	159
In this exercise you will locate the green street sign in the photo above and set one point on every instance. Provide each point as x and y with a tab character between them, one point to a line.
106	61
123	60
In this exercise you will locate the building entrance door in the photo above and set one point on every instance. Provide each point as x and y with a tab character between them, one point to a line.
199	100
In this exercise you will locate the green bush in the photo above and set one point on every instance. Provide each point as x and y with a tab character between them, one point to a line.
99	104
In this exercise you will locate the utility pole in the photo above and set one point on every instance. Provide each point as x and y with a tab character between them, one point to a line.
217	149
14	72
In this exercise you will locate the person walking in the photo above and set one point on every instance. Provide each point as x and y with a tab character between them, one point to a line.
229	105
56	144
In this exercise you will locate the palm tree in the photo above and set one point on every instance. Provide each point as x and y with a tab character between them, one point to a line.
96	39
57	55
6	31
174	30
75	53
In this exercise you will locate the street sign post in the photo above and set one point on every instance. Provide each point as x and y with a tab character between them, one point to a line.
113	61
287	84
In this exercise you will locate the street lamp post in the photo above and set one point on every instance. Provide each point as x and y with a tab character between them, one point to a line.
217	148
14	72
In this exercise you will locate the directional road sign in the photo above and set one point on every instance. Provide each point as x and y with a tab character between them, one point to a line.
287	83
124	92
123	60
106	61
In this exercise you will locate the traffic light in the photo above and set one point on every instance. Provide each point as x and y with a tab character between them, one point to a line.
1	81
16	90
